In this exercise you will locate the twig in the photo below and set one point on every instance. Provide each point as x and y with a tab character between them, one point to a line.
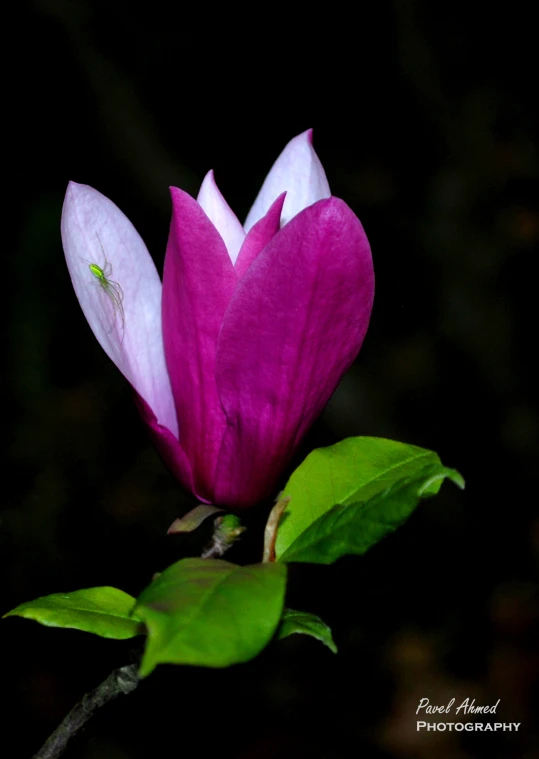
121	680
226	531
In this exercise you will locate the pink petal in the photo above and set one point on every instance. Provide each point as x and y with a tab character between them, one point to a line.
198	282
294	326
299	173
221	215
124	312
167	446
259	236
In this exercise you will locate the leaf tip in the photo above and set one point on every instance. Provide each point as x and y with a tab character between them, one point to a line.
146	667
439	476
457	478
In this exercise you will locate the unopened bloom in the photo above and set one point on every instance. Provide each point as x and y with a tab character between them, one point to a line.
234	356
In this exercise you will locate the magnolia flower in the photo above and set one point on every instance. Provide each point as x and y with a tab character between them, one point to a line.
234	356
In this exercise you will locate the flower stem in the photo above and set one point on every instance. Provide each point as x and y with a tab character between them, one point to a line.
226	530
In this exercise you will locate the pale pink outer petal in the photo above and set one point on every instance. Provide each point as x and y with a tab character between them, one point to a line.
126	323
198	282
259	236
221	215
299	173
294	326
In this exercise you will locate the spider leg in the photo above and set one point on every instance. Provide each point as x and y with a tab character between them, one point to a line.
115	293
119	290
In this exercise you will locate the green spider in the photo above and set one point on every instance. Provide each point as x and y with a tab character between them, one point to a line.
112	289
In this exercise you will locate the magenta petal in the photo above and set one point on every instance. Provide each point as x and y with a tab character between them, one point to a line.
294	326
166	445
198	283
259	236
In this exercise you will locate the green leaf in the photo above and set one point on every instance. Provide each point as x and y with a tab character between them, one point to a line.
354	528
330	487
307	624
102	611
210	613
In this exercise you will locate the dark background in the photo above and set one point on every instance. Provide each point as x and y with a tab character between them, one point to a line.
423	118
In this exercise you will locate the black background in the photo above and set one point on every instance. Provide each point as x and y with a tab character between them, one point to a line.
423	118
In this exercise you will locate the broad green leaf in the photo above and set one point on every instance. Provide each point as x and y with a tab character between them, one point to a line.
210	613
352	528
306	624
102	611
352	471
